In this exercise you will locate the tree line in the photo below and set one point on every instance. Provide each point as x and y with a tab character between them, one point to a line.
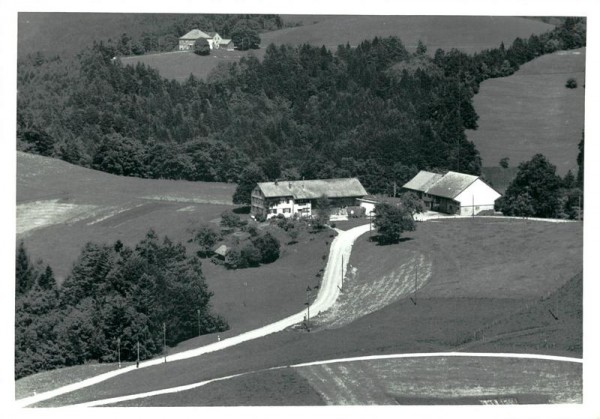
115	297
374	111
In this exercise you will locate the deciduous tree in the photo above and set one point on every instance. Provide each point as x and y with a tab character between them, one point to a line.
535	191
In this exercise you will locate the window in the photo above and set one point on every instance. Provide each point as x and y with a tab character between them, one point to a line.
287	210
273	211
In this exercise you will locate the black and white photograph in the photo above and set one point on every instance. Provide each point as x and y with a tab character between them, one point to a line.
269	207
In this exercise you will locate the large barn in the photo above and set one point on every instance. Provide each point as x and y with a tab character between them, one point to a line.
453	192
288	198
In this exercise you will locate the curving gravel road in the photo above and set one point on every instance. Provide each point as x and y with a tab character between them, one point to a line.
339	253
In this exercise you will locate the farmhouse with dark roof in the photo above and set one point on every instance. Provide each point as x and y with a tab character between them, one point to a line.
186	42
453	192
288	198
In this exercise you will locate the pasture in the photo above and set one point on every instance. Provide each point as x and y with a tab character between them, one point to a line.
533	112
467	33
60	207
479	293
409	381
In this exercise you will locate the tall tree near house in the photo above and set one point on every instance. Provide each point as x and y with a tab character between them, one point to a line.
535	190
248	180
201	47
245	38
322	211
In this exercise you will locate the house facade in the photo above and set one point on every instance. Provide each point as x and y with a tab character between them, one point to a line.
289	198
186	42
453	192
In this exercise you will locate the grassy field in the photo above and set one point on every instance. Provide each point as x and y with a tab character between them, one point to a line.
60	207
499	177
467	33
180	64
487	260
533	112
411	381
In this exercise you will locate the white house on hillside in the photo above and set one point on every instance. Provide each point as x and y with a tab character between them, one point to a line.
186	42
288	198
453	192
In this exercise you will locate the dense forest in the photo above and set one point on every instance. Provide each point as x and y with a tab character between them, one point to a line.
115	297
375	111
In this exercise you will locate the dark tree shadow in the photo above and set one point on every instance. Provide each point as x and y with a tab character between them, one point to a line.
242	210
383	242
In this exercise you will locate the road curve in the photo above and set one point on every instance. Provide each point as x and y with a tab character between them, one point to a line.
339	253
186	387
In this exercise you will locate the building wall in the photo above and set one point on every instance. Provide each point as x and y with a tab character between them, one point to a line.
368	206
476	198
186	44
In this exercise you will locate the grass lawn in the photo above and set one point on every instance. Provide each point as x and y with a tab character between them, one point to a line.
533	112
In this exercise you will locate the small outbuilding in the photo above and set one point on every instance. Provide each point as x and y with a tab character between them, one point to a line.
221	251
453	192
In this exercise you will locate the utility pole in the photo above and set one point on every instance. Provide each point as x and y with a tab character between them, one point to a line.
579	205
165	340
119	350
473	206
137	364
308	289
198	322
342	288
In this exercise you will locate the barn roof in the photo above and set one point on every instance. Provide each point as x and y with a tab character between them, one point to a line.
312	189
449	185
422	181
195	34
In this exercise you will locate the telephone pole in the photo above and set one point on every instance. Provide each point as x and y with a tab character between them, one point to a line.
308	289
137	364
198	322
165	340
119	350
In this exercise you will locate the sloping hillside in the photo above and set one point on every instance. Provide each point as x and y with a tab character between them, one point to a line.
533	112
467	33
60	207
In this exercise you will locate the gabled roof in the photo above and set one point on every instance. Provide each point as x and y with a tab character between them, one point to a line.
422	181
449	185
221	250
312	189
195	34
